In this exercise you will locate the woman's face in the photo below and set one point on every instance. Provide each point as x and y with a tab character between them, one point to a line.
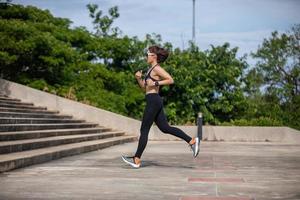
151	57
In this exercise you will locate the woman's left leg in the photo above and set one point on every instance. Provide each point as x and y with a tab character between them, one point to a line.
162	123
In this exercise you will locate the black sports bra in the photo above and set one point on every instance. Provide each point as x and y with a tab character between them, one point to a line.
149	76
153	79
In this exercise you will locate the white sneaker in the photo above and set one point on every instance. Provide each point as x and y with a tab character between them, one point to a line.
195	147
130	161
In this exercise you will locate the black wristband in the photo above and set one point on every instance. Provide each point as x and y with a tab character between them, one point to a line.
156	83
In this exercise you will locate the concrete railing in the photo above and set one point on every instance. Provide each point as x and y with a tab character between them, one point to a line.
238	133
132	126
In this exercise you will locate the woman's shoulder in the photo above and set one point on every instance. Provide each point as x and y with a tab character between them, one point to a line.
158	69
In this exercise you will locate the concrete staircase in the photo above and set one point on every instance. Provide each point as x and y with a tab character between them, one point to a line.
31	135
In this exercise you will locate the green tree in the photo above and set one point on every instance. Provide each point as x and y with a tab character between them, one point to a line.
279	66
103	24
34	44
44	52
208	82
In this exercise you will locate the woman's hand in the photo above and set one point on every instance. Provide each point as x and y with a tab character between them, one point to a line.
138	74
150	82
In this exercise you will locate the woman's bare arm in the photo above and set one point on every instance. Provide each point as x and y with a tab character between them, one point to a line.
164	75
138	76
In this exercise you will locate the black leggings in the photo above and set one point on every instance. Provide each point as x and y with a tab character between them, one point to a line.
154	113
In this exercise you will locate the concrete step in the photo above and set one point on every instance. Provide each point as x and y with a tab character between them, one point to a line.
15	103
26	158
29	127
33	115
5	120
9	99
22	110
30	144
7	105
21	135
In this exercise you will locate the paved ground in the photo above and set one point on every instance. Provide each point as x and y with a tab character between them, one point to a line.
223	171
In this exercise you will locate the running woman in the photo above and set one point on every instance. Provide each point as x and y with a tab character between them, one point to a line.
154	112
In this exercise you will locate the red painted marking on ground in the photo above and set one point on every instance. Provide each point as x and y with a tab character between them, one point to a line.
216	180
214	198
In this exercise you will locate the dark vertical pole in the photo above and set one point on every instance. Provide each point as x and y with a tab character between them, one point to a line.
199	124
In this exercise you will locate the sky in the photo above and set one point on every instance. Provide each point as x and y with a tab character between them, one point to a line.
242	23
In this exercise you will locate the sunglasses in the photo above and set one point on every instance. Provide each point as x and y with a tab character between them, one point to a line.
149	54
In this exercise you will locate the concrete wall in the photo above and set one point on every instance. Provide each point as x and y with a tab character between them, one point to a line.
132	126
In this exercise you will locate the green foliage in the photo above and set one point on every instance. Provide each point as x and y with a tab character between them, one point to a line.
279	64
278	72
207	82
109	90
42	51
261	121
31	45
102	24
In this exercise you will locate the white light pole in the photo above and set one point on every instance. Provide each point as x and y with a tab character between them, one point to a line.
194	39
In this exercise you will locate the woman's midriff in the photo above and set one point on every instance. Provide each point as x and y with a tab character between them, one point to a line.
152	89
